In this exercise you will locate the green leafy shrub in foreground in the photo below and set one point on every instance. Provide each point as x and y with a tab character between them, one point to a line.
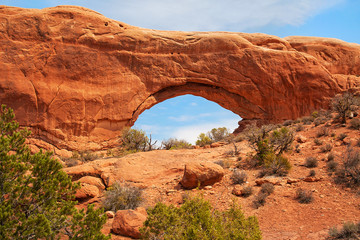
196	219
36	197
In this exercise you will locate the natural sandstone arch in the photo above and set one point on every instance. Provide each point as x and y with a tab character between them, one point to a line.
77	78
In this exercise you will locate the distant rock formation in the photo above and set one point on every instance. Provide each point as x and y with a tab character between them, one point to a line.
78	78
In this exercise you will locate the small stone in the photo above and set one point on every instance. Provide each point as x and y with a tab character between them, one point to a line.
110	214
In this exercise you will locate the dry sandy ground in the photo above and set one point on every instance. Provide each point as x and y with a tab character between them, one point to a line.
282	217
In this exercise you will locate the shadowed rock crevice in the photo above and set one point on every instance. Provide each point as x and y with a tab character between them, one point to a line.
78	78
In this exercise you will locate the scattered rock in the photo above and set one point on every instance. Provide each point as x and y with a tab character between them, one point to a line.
87	191
273	181
292	180
93	181
217	144
201	174
301	139
110	214
237	190
312	179
128	222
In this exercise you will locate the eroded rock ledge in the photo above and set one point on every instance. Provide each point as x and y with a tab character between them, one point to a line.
75	76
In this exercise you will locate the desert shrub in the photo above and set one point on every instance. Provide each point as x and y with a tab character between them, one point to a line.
357	142
218	134
87	156
355	123
343	105
297	148
246	191
37	196
225	163
122	196
259	200
349	173
134	139
288	123
312	173
324	131
275	165
332	166
267	188
326	148
331	157
304	196
299	127
196	219
349	231
281	140
307	120
318	142
342	136
239	177
239	138
71	162
311	162
174	143
203	140
320	120
265	143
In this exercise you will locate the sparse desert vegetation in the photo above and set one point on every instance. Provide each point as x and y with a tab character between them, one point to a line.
267	158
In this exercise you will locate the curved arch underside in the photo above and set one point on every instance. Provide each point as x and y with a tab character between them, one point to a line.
78	78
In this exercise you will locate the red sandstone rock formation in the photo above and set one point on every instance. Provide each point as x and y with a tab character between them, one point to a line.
77	78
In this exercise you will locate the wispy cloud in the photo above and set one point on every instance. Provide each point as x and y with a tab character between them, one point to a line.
206	15
191	132
188	118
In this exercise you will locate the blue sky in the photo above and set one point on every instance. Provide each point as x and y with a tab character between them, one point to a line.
186	116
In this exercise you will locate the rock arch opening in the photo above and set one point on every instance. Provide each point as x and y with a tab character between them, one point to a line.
185	117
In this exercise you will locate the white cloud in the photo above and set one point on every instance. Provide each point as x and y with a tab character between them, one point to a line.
207	15
193	104
188	118
191	132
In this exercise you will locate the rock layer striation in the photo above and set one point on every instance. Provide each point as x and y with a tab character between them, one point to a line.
78	78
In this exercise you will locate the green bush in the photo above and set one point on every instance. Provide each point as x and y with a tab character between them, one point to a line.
134	139
304	196
203	140
196	219
36	194
122	196
276	165
174	143
281	140
349	231
218	134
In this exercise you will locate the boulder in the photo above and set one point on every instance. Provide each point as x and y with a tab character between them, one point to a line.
128	222
301	139
201	174
93	181
87	191
237	190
